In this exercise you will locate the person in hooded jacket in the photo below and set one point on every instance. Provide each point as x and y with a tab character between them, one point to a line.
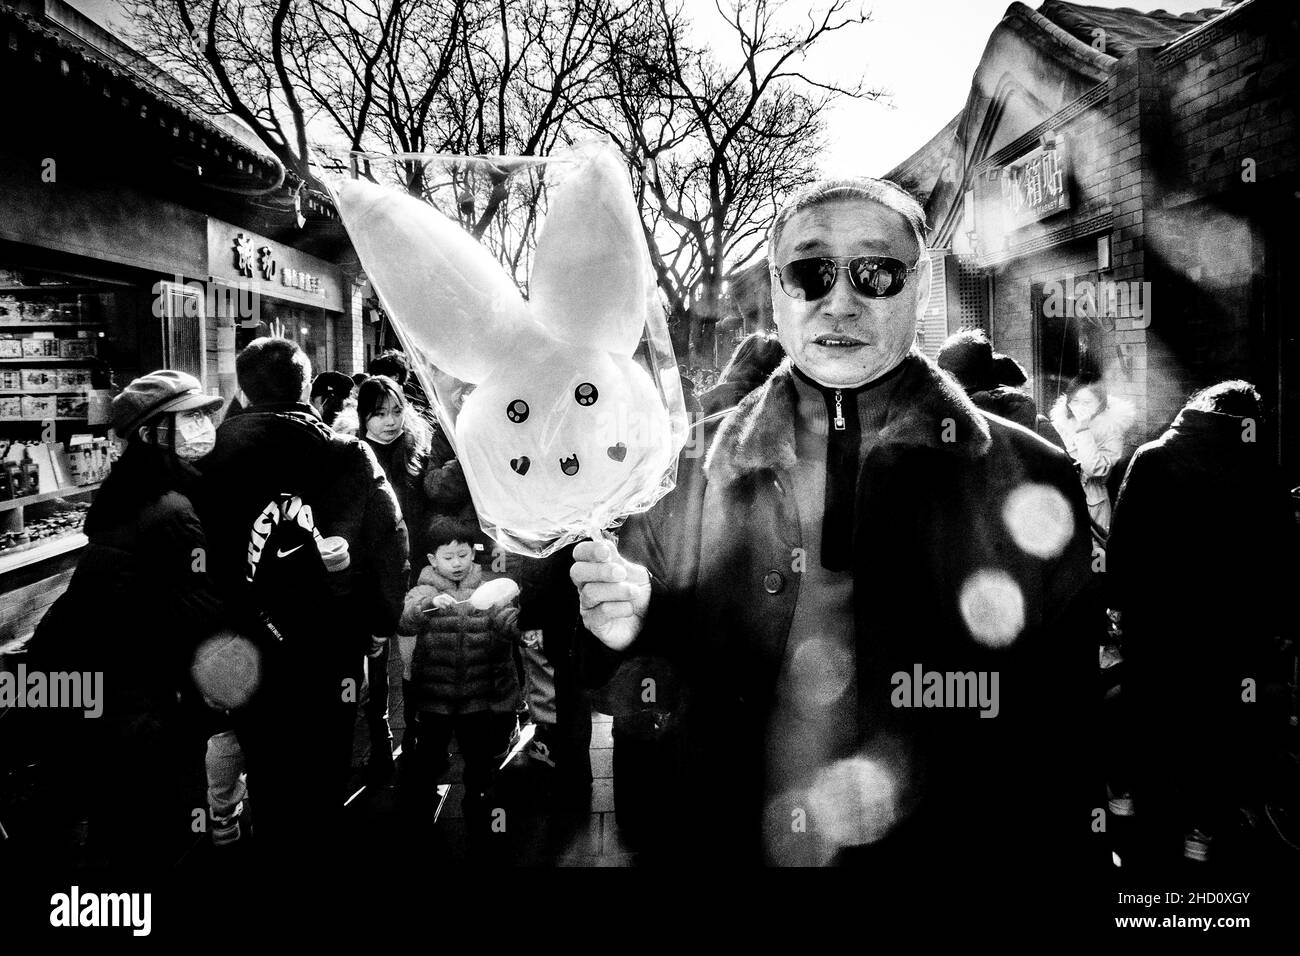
296	733
993	380
1201	552
135	611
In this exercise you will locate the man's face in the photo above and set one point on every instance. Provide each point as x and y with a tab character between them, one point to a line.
844	338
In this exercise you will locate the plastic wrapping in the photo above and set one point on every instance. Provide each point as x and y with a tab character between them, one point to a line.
565	410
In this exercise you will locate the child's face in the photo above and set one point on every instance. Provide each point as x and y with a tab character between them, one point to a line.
452	560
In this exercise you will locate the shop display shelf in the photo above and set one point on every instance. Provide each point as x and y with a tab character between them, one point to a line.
47	496
26	554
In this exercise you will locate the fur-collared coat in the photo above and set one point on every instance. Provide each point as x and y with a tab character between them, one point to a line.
971	553
1098	447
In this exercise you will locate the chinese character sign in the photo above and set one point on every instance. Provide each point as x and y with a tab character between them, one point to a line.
1034	186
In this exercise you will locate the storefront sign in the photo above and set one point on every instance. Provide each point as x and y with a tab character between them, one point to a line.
241	257
1034	186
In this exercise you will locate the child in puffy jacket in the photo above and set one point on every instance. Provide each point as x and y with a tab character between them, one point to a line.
458	662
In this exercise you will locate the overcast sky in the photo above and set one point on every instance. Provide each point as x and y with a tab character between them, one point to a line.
922	52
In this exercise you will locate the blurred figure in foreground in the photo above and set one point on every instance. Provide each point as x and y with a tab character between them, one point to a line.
1201	553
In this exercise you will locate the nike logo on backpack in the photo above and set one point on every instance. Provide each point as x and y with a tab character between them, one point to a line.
281	554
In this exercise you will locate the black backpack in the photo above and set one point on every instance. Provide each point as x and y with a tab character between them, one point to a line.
286	576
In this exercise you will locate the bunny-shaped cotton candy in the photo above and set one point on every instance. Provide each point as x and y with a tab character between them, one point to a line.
570	437
563	431
454	300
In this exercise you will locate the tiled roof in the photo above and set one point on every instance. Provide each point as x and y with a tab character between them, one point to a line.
20	32
1125	29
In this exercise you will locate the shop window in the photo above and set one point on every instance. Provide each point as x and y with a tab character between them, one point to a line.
58	336
1067	339
182	328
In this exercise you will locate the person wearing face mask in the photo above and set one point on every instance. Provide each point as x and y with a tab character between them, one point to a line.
137	607
856	518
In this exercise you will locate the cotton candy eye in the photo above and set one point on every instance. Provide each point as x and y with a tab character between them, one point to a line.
586	394
517	411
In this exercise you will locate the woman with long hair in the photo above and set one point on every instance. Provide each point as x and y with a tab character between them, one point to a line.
401	439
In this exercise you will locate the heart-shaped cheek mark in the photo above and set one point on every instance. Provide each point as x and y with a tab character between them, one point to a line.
617	452
520	464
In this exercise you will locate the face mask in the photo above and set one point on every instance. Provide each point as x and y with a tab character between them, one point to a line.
1081	412
373	433
195	437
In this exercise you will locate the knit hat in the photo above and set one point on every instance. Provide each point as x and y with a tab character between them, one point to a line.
155	394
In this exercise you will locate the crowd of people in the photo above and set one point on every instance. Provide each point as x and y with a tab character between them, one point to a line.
861	513
243	590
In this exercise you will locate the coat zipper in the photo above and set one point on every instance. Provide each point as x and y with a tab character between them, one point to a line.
839	411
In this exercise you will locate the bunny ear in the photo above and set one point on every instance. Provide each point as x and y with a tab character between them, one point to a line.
591	269
442	290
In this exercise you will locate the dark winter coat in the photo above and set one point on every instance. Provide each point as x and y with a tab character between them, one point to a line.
1201	556
395	460
436	484
138	606
931	496
445	489
140	600
1015	406
462	662
273	448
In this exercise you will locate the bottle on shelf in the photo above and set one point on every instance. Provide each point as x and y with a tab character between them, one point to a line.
31	473
13	479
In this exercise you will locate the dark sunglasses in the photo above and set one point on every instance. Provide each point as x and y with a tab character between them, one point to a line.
876	277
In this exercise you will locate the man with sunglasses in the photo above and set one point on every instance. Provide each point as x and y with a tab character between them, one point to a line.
855	519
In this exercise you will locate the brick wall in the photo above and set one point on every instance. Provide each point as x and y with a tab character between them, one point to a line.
1226	166
1233	99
